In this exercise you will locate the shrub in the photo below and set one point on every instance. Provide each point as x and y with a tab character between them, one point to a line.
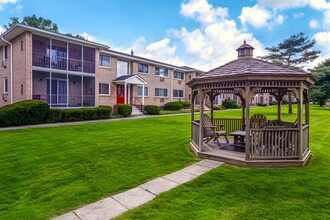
228	103
54	115
24	113
273	103
72	115
262	105
125	110
218	107
103	112
186	104
152	109
89	113
173	106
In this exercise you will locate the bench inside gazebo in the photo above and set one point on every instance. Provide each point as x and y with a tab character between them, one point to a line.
256	140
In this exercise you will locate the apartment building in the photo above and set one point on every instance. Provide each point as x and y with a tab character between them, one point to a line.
68	72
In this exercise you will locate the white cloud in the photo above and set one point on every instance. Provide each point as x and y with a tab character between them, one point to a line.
323	40
88	36
3	2
203	11
255	16
285	4
326	20
298	15
19	7
2	29
279	20
313	24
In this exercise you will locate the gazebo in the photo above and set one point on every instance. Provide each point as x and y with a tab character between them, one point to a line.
272	143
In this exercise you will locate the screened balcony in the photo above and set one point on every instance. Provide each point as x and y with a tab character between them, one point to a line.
55	54
63	90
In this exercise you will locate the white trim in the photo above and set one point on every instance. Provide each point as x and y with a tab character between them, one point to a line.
43	69
109	89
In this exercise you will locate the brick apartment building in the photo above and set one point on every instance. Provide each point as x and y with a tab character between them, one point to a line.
68	72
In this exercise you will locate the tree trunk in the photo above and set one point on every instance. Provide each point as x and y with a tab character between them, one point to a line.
290	103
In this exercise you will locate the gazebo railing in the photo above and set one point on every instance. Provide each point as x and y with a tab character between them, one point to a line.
305	144
195	133
274	143
231	124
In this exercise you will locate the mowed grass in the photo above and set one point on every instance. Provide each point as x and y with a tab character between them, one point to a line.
46	172
230	192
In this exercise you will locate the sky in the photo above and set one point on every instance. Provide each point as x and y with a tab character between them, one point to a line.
203	34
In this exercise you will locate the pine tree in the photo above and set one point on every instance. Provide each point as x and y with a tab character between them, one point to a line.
293	51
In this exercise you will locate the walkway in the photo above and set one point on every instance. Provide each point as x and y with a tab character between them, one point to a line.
116	205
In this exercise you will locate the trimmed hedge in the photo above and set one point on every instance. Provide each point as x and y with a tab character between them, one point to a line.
218	107
228	103
103	112
152	109
54	115
186	104
173	106
26	112
262	105
125	110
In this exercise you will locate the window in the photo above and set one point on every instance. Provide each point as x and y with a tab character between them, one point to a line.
146	91
122	68
22	46
143	68
159	92
5	52
104	60
21	89
178	75
161	71
104	89
177	93
5	85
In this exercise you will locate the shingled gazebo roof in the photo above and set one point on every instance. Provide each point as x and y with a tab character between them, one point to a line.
245	67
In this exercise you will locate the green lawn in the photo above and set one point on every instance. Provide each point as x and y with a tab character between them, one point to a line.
230	192
46	172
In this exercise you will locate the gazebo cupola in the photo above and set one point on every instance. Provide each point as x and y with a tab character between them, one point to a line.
245	51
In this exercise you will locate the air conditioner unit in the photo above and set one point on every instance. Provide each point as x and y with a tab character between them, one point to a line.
162	79
161	99
4	97
179	82
4	63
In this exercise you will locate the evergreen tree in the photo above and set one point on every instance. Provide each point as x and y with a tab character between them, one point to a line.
293	51
321	90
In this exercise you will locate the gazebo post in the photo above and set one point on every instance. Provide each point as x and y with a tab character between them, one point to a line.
247	125
279	106
307	108
300	122
201	109
212	99
192	110
243	113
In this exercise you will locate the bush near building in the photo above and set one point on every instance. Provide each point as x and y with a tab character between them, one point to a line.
26	112
125	110
152	109
228	103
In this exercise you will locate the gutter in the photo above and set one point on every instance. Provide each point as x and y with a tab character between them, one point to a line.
11	69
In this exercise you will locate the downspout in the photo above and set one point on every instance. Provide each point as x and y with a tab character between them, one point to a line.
11	69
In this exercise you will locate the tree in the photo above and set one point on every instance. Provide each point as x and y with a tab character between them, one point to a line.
34	21
321	90
293	51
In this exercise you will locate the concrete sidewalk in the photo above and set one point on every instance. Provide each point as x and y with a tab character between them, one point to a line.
116	205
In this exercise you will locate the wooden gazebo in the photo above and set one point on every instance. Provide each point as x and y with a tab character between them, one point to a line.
277	143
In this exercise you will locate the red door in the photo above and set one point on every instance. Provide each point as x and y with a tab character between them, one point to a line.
120	94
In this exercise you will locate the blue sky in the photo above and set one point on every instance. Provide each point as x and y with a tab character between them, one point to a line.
199	33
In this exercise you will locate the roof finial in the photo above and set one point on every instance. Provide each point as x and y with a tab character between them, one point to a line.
244	41
132	52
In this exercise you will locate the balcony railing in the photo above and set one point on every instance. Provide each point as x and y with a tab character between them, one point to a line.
57	62
56	100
